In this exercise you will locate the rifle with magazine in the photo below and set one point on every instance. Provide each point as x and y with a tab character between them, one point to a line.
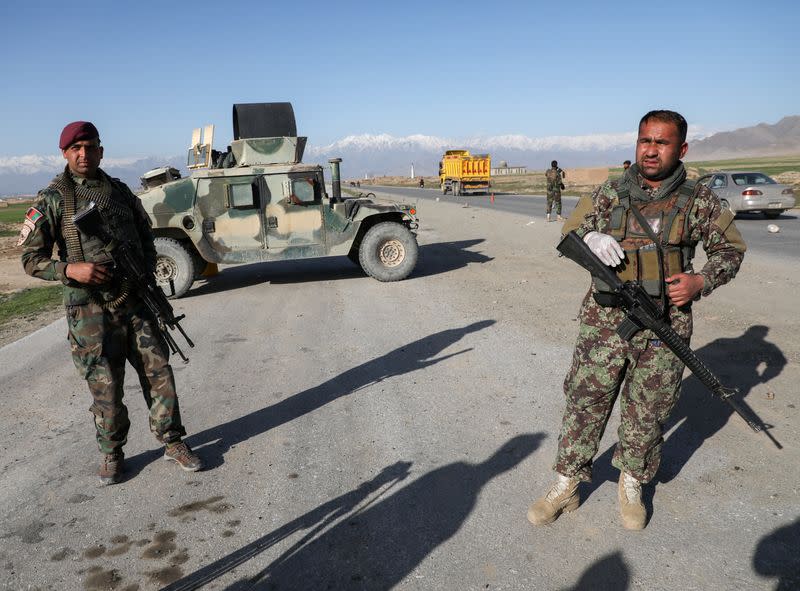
90	221
641	312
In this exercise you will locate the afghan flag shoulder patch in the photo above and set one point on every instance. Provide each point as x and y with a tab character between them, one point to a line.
33	215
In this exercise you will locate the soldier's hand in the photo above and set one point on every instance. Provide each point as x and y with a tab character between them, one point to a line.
683	287
88	273
605	247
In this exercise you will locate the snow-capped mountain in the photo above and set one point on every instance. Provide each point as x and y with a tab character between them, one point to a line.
383	154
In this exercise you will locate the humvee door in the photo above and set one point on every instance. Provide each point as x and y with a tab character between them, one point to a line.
230	207
293	213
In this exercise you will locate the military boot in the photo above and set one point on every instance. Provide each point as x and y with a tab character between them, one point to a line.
559	218
562	497
547	217
111	467
631	508
182	454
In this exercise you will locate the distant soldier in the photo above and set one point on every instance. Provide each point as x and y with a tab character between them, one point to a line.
108	323
554	176
625	166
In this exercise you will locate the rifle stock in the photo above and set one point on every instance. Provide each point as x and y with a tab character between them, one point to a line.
642	313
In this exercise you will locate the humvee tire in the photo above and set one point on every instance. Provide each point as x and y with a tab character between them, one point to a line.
175	268
388	252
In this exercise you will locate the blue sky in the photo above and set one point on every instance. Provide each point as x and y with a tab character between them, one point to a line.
148	72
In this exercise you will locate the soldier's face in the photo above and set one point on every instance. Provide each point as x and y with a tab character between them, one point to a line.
84	157
658	150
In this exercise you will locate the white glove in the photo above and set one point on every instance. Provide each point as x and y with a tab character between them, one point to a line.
605	247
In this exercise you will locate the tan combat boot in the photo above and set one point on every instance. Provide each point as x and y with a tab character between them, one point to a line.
111	467
562	497
559	218
547	217
631	508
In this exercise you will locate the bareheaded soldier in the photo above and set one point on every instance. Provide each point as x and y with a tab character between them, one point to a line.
108	323
646	226
554	177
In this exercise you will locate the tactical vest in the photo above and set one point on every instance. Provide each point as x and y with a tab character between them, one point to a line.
115	204
668	219
553	178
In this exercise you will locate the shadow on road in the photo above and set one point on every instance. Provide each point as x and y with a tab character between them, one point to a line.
367	540
278	272
406	359
442	257
777	555
607	574
743	362
434	259
746	215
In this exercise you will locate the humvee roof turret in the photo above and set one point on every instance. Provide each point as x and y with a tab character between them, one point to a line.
257	201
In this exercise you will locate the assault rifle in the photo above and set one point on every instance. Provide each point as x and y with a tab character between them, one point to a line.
641	312
90	221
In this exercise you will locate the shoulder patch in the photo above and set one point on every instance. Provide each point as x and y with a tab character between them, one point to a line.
33	215
27	227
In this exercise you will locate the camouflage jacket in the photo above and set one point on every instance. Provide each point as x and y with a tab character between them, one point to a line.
709	224
553	177
42	230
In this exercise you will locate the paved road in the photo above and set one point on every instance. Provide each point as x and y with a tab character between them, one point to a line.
361	435
784	244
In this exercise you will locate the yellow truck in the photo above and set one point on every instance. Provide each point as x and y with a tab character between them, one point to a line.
462	173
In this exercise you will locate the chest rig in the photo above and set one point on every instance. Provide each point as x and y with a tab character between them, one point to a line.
655	238
112	201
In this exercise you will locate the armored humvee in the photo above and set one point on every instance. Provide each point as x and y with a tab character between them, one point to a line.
258	202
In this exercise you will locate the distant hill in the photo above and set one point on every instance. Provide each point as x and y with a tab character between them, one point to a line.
780	139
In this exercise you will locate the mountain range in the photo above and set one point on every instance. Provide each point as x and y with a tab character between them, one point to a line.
382	155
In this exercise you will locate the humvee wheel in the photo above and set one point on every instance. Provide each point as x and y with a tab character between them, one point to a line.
174	267
388	252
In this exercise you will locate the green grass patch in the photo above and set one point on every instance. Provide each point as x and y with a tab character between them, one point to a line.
29	302
5	233
14	213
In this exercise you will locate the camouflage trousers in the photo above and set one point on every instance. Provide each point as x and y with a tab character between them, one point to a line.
102	341
554	196
646	377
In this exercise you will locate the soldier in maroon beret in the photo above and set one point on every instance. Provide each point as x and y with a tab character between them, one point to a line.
108	322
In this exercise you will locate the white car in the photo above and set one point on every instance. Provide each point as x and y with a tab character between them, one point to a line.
747	190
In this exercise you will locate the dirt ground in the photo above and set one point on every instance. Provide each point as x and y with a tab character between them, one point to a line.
13	278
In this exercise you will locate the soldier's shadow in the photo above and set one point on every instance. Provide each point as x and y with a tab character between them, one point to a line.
211	444
743	362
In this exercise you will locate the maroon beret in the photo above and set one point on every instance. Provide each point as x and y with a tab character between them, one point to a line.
76	131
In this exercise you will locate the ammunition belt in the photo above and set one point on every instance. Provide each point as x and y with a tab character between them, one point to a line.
69	192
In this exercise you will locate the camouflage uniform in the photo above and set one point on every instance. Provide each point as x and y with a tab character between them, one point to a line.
643	372
553	175
103	337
